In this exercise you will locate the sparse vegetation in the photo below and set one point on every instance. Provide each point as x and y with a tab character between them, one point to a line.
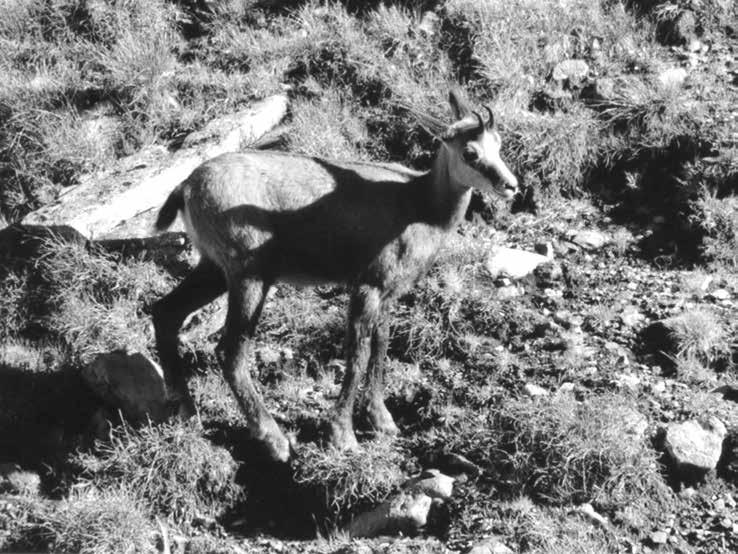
559	450
641	146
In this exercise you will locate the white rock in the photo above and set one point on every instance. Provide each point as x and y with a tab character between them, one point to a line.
672	78
659	537
513	263
433	483
490	546
720	294
406	513
534	391
631	316
588	511
589	239
123	201
132	383
696	444
571	71
634	424
508	292
627	381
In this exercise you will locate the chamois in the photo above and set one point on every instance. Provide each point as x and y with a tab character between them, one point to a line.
262	217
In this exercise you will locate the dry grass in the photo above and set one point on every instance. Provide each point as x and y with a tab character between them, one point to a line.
97	302
98	522
342	483
170	468
558	450
87	521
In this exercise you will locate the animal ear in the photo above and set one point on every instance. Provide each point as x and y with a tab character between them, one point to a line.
459	105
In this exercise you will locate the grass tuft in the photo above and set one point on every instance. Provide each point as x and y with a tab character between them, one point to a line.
342	483
171	468
96	302
97	522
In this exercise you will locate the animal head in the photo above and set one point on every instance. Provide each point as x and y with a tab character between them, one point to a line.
473	150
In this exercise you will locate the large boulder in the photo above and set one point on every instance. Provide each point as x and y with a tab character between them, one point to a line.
695	446
131	383
122	202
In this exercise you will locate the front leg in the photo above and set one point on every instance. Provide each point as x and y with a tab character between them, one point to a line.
377	415
364	308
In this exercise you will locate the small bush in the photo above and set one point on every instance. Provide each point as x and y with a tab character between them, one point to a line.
718	219
699	335
341	483
171	469
559	450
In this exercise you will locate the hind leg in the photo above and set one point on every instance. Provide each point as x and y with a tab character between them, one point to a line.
245	302
363	312
203	285
376	412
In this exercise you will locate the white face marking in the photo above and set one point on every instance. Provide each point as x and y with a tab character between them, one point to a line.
477	163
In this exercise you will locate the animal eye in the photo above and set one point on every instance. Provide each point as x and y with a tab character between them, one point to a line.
470	155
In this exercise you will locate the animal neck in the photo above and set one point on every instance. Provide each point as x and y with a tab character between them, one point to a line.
445	201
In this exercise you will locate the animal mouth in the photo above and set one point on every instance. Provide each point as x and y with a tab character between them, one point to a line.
501	185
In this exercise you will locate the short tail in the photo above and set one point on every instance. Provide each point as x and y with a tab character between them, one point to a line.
168	212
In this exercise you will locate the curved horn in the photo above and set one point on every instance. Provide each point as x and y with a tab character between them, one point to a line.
491	120
480	120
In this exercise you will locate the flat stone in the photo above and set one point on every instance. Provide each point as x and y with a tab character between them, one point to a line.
406	513
589	239
123	201
433	483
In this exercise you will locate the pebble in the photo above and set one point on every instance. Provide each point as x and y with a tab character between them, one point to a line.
534	391
659	537
720	294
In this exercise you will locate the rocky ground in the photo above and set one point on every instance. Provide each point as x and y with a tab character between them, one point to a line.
565	378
